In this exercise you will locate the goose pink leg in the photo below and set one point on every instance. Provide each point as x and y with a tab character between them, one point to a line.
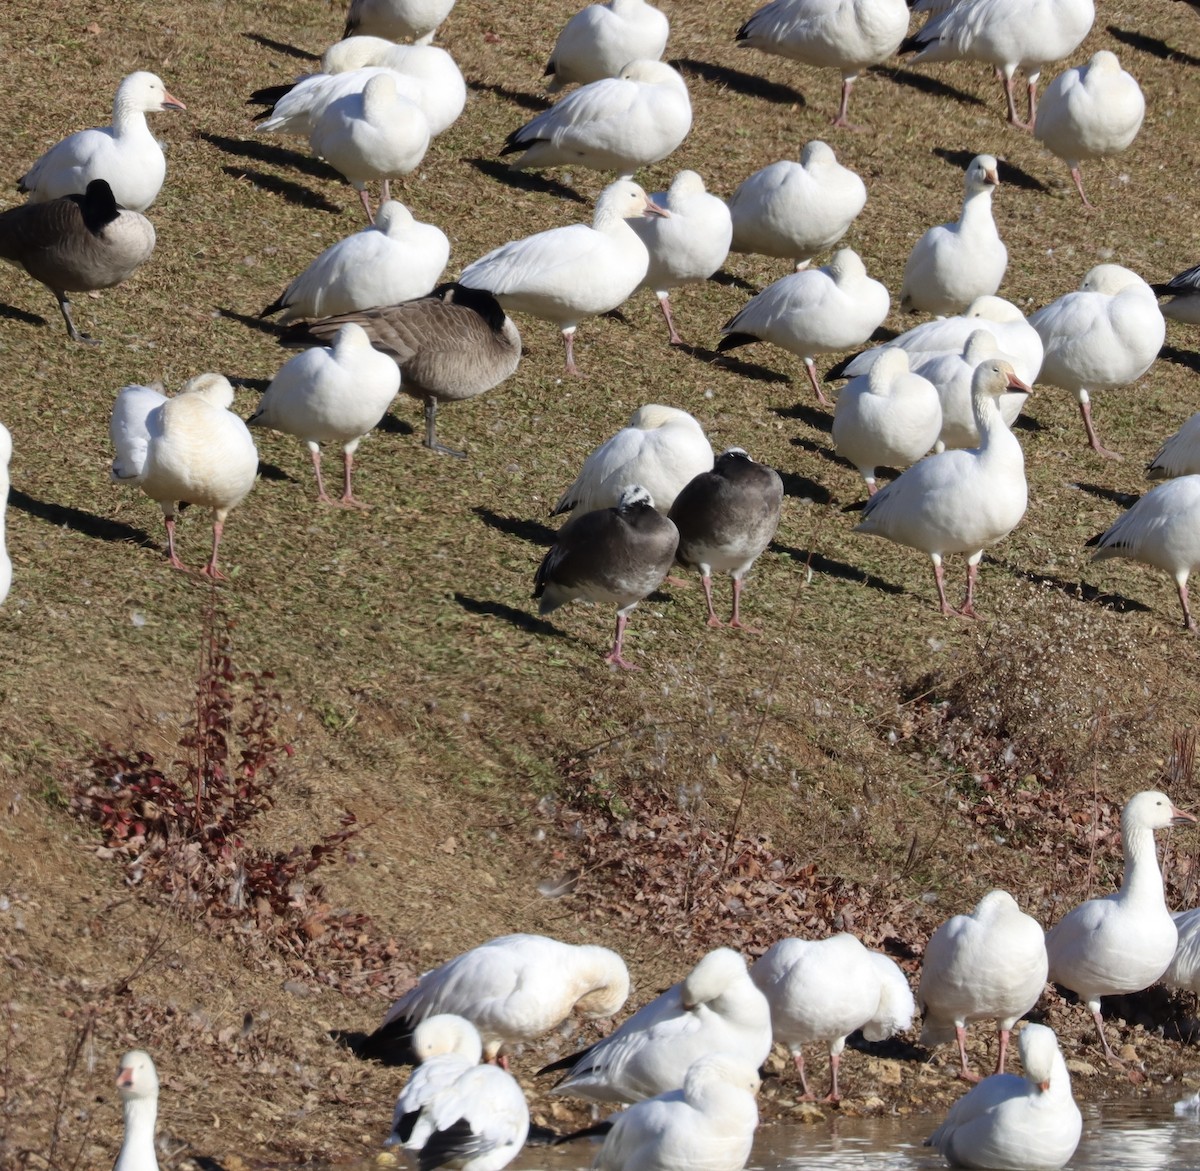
965	1072
614	656
172	556
1085	409
706	582
811	367
664	303
211	570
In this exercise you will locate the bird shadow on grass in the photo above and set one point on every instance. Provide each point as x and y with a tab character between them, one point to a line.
838	569
521	619
99	528
1079	590
893	1049
814	417
12	313
355	1042
732	281
1010	174
294	193
1173	354
1100	492
518	97
259	324
821	451
394	426
735	365
1152	45
749	84
802	488
255	385
282	47
267	152
524	181
521	527
929	85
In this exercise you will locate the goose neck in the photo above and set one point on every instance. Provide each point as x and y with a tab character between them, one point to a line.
988	419
977	207
128	116
137	1151
1143	879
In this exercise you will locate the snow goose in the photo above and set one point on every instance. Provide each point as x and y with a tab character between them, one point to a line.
1123	942
1163	530
1012	1123
1180	454
717	1008
812	312
375	134
124	154
1184	291
952	264
5	560
847	35
615	124
137	1083
298	109
959	501
1009	35
1183	972
601	39
825	989
661	449
396	20
335	395
709	1123
726	518
1090	112
450	346
455	1112
395	259
614	555
577	271
988	965
888	417
512	989
796	210
1104	335
189	448
76	243
688	245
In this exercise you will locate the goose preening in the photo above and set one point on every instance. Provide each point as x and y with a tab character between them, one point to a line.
396	20
1163	530
124	154
6	449
716	1008
335	395
137	1083
1013	1123
450	346
189	448
1183	972
888	417
688	245
566	274
76	243
1180	454
796	210
1123	942
959	501
395	259
601	39
847	35
616	124
817	311
726	518
1009	35
661	449
1184	291
1104	335
988	965
454	1112
512	989
953	264
613	555
825	989
1090	112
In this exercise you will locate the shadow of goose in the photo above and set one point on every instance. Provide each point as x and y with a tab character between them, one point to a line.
813	417
732	281
1010	174
1100	492
1081	591
1152	45
526	101
294	193
737	365
521	619
1178	357
525	180
749	84
925	84
99	528
838	569
268	152
802	488
12	313
260	324
282	47
520	527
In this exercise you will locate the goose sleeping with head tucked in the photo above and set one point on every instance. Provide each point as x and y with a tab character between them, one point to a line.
601	39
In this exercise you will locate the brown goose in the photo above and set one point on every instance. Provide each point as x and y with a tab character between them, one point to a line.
452	345
726	518
610	555
76	243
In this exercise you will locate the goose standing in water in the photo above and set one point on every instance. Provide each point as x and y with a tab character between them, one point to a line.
137	1083
601	39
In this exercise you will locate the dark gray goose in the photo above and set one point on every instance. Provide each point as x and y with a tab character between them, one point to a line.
76	243
616	555
452	345
726	518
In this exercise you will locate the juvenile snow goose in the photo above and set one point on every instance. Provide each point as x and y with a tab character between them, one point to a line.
335	395
988	965
396	20
1180	454
76	243
512	989
817	311
189	448
577	271
847	35
796	210
137	1083
726	518
952	264
602	39
959	501
5	560
716	1008
126	155
1104	335
1090	112
1124	942
1012	1123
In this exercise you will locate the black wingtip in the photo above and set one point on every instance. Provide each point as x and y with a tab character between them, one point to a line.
838	370
267	96
1094	542
274	307
910	45
448	1146
731	341
549	70
390	1044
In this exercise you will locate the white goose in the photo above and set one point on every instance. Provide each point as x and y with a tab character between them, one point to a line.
6	449
569	273
601	39
988	965
1104	335
137	1083
1183	972
796	210
396	20
1180	454
1124	942
952	264
1012	1123
959	501
124	154
817	311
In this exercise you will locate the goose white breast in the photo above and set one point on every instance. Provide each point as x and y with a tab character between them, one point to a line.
137	1083
602	39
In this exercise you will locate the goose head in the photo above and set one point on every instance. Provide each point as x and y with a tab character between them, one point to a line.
891	364
846	267
649	72
651	416
1109	279
355	53
817	156
634	496
979	346
446	1033
712	976
684	184
213	388
625	200
1039	1054
611	978
1102	61
1152	810
393	216
995	377
720	1067
982	175
137	1079
146	92
991	308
